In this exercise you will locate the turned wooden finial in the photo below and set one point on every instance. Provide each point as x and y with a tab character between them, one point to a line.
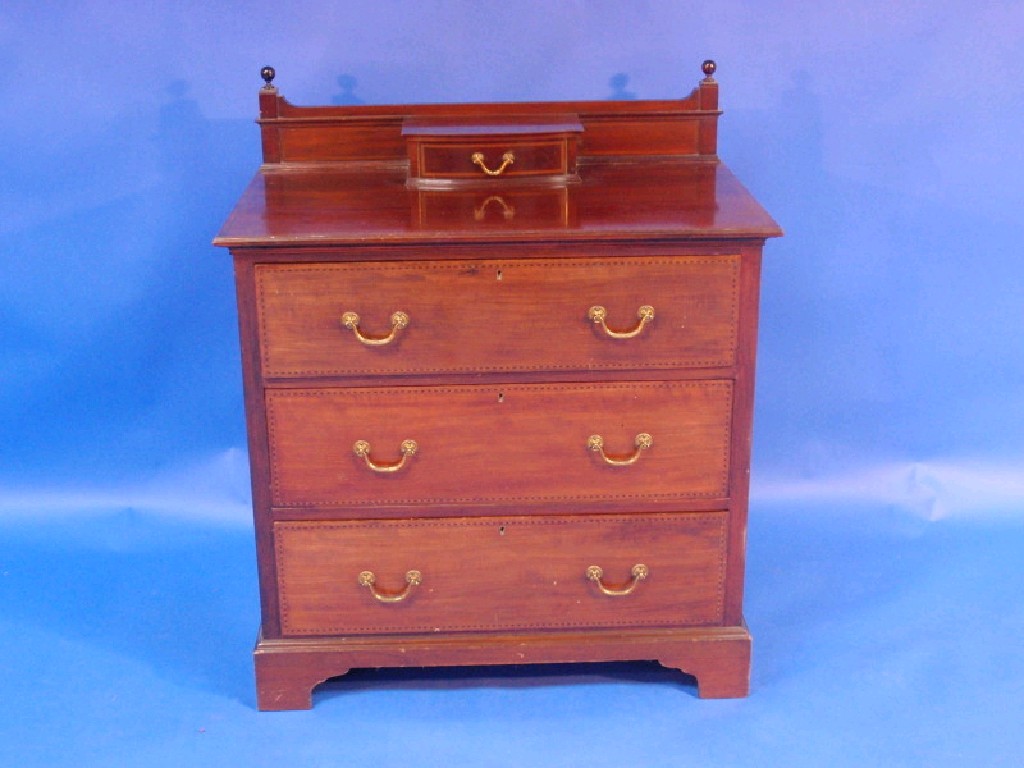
268	73
709	68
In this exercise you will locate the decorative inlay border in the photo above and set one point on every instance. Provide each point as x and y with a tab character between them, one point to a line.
263	271
689	519
385	392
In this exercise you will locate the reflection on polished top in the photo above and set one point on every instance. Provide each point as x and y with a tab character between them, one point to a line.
682	198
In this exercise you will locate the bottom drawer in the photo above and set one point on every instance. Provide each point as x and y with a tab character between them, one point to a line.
494	574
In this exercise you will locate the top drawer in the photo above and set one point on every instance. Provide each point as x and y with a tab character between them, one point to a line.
443	153
463	317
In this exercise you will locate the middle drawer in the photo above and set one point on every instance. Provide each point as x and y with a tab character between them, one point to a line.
526	443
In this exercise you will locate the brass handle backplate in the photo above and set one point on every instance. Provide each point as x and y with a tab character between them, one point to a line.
598	314
412	579
361	448
642	442
399	320
639	572
506	160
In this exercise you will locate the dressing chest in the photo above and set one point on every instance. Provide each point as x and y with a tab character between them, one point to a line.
499	369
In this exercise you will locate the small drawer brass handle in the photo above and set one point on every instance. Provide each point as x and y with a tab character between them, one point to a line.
598	314
639	572
412	579
506	160
643	441
399	320
361	448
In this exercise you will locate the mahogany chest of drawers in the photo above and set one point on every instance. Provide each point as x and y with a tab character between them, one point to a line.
498	367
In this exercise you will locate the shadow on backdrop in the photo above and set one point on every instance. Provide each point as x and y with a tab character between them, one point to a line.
618	83
346	95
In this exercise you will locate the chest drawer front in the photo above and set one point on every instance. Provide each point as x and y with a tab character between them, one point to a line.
485	444
481	574
463	317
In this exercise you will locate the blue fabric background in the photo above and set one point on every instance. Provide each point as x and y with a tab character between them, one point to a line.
887	520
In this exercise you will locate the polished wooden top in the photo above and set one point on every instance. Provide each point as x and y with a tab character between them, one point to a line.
342	175
678	198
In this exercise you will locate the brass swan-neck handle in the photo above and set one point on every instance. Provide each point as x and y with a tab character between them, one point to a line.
598	315
369	580
641	443
362	449
639	572
507	159
399	320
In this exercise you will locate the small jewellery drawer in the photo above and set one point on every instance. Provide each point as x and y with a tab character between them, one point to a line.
442	154
567	314
527	443
476	159
454	574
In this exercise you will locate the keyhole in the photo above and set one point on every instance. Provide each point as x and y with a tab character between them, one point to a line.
501	397
499	274
501	530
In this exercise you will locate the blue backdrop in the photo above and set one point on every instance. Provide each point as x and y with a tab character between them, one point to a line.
889	433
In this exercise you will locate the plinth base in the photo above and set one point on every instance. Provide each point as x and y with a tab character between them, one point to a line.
287	670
